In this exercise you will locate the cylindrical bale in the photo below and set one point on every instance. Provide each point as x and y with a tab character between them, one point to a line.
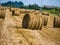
57	22
32	21
1	22
50	22
15	12
2	14
22	11
40	23
37	21
45	13
45	20
21	21
26	21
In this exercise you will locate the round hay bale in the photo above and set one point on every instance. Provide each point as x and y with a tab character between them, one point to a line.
37	21
27	11
45	20
1	22
45	13
32	21
50	22
57	21
25	22
15	12
40	23
22	11
2	14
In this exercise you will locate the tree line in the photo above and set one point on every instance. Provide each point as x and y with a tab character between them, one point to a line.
20	4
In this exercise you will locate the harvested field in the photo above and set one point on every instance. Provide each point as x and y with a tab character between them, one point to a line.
28	27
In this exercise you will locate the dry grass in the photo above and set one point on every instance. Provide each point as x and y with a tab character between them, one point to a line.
12	32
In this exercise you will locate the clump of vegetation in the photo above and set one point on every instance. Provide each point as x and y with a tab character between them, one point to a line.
51	9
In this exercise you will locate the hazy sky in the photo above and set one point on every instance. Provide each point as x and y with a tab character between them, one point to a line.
44	2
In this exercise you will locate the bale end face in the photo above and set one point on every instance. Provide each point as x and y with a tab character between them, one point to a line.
57	22
2	15
25	22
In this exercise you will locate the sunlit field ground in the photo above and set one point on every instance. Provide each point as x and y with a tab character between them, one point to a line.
28	27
